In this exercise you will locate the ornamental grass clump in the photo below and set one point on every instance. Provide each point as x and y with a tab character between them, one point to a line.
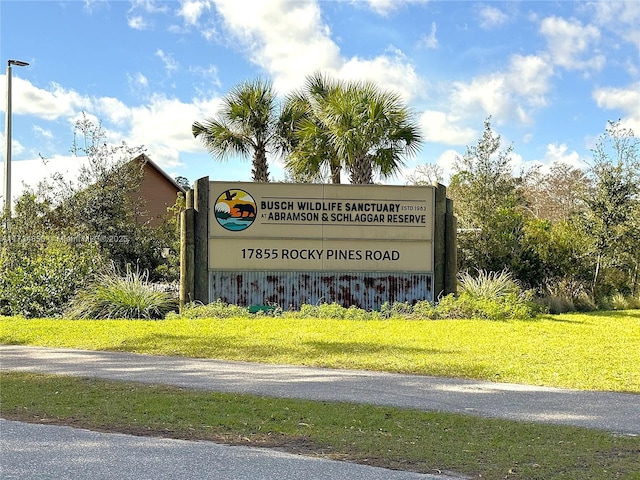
488	284
113	295
490	295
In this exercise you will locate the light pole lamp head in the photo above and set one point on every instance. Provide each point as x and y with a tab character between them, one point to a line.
17	63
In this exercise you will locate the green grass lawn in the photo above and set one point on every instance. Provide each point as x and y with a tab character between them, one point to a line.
596	351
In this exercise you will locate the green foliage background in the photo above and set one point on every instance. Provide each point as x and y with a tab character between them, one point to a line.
63	234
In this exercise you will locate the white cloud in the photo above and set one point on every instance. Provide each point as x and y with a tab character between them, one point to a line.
192	10
92	6
137	22
384	7
559	153
149	6
430	41
390	72
51	104
624	99
491	17
438	127
554	153
487	95
286	38
446	161
289	40
112	110
621	18
138	80
513	94
16	148
571	45
42	132
170	64
163	126
30	173
529	77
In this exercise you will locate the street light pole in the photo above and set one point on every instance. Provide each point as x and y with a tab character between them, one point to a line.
7	137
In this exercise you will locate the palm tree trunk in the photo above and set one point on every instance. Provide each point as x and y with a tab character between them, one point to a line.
260	170
361	171
336	169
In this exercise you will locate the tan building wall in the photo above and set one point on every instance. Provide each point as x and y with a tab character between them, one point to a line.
157	192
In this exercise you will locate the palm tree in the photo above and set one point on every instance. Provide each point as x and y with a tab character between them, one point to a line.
245	125
304	136
352	126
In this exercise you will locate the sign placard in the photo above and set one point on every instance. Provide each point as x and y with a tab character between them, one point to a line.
256	226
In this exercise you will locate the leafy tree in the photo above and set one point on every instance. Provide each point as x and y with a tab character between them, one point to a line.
69	230
490	212
351	126
613	202
42	264
426	174
100	205
557	195
183	182
245	125
562	249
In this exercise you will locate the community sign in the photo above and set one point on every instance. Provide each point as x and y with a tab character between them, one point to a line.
313	227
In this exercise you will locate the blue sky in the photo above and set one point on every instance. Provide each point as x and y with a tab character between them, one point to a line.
551	74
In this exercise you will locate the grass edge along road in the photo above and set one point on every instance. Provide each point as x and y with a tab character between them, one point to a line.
595	351
403	439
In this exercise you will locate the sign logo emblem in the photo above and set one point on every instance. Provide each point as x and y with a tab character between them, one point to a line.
235	210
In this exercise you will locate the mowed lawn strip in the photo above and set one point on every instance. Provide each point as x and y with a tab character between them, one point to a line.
395	438
595	351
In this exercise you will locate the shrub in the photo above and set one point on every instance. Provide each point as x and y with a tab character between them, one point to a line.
424	309
333	311
622	302
555	304
634	302
490	295
217	309
38	279
584	303
497	308
112	295
494	296
396	309
619	302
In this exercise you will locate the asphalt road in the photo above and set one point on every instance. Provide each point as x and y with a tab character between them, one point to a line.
60	453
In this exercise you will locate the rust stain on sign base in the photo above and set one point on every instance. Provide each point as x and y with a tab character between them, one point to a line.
291	289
